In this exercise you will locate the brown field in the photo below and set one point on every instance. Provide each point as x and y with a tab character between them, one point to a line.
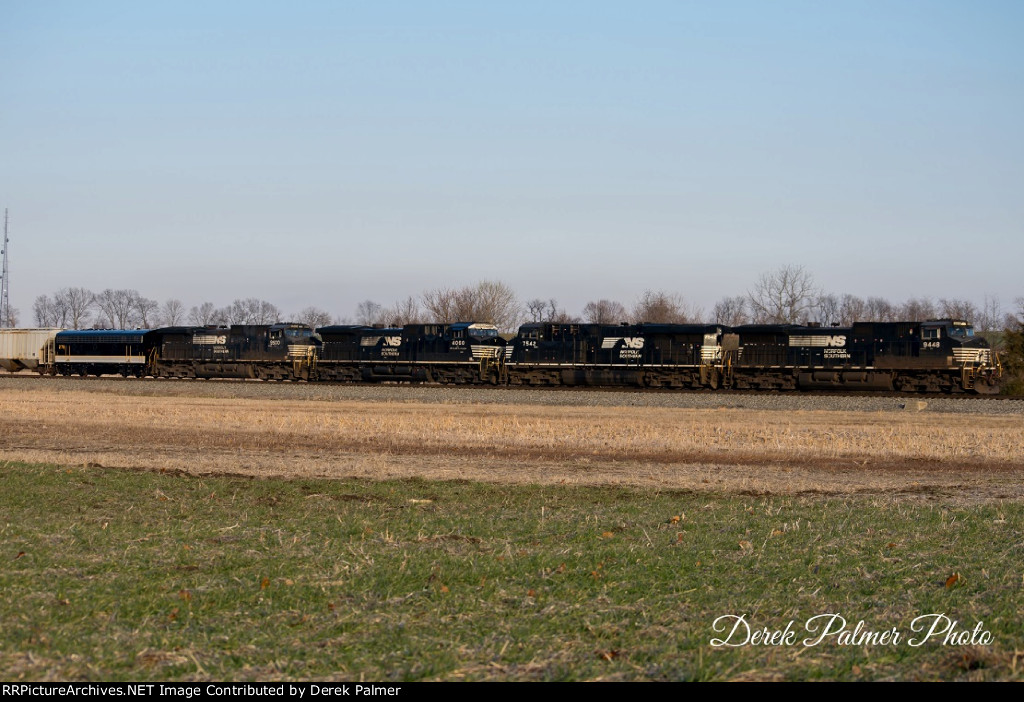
971	457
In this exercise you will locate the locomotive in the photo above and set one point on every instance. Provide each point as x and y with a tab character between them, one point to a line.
936	356
458	353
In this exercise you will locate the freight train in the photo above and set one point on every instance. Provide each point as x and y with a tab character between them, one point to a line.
937	356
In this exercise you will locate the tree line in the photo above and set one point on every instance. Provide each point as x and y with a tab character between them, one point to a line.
786	295
80	308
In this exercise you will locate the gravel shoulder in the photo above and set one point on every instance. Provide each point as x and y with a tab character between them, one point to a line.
551	397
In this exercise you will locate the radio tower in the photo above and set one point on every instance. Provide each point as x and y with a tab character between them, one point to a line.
5	303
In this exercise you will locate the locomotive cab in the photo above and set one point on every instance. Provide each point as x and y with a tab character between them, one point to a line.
297	342
943	337
952	341
480	340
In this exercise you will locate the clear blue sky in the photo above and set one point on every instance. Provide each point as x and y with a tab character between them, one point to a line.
328	152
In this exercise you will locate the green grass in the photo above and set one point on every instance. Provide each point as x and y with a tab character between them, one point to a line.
116	575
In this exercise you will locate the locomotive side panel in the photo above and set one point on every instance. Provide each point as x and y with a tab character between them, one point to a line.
100	352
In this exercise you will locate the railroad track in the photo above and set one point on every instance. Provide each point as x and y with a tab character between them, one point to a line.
554	389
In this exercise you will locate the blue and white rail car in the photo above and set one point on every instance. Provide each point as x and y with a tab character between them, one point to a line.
100	352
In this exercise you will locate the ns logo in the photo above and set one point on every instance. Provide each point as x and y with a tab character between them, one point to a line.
839	340
633	342
392	341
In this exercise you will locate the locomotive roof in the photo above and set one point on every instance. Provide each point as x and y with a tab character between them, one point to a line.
191	330
679	328
106	336
472	325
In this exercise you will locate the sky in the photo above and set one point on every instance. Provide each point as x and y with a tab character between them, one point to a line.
325	153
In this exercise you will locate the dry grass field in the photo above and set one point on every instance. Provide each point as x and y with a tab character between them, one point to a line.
970	457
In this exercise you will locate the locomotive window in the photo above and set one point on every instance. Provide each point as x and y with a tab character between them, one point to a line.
931	333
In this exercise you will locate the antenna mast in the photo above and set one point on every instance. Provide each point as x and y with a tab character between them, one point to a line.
5	303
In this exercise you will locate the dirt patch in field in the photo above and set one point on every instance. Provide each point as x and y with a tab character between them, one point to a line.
973	457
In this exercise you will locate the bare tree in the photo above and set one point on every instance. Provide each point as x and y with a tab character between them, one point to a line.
495	303
558	315
659	307
991	314
253	311
314	317
535	308
540	310
785	295
268	313
731	311
878	309
405	312
12	318
172	313
45	313
604	312
117	308
440	305
203	315
369	312
1012	321
958	309
916	310
225	316
146	310
852	309
74	306
828	308
488	301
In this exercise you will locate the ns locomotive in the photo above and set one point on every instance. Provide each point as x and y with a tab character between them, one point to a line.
937	356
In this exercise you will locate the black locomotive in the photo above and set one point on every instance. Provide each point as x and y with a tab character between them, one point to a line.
934	356
269	352
938	356
441	353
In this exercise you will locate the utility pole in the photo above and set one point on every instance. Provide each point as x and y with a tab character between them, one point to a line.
5	303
